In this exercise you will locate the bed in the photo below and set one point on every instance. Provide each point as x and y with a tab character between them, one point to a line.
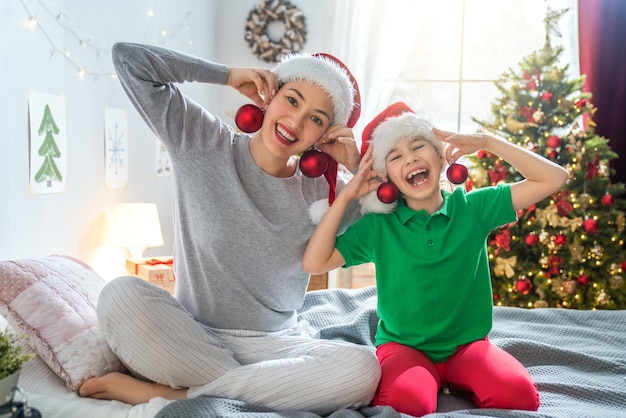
577	359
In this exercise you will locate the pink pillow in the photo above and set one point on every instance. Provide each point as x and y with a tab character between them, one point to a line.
53	300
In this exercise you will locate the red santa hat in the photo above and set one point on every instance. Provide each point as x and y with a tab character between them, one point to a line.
334	77
395	122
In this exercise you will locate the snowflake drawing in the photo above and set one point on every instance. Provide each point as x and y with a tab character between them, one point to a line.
116	150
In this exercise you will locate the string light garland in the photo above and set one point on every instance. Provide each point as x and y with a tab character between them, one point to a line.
50	19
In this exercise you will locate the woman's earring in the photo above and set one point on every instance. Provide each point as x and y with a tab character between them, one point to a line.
249	118
313	163
387	192
457	173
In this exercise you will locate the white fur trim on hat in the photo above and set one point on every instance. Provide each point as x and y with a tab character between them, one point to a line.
391	130
325	73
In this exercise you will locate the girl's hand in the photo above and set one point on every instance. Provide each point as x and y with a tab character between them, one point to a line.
460	144
258	84
339	143
365	180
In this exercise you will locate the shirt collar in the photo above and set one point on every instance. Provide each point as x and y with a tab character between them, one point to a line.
405	213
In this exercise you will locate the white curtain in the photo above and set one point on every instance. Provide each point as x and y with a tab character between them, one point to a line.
375	39
375	52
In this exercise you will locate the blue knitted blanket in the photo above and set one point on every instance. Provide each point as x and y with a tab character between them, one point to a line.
577	359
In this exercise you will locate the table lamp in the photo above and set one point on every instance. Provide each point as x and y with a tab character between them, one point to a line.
136	226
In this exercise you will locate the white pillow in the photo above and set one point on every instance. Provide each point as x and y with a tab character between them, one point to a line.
53	300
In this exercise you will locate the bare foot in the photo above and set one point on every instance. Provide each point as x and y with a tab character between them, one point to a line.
127	389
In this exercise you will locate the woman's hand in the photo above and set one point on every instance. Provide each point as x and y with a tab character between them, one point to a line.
339	143
258	84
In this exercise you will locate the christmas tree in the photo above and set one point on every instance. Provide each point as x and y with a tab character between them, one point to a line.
566	251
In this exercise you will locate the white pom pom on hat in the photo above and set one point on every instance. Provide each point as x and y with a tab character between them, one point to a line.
334	77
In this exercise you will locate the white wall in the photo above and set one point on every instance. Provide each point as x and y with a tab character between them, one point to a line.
76	221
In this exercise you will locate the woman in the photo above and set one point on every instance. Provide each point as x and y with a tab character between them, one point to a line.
241	227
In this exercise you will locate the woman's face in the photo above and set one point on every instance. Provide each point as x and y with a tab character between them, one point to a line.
414	166
296	118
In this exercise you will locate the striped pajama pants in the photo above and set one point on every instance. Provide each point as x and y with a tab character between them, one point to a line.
158	340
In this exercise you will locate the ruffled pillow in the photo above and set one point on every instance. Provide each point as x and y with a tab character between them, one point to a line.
53	301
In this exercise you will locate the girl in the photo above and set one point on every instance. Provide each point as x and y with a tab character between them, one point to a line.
432	272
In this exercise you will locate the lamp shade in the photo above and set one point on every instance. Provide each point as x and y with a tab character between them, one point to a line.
136	226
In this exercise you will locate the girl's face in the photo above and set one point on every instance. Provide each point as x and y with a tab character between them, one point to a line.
414	166
296	118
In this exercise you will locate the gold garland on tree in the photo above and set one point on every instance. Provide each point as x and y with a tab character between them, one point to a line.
259	19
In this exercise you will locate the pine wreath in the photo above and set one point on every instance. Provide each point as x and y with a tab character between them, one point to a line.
267	12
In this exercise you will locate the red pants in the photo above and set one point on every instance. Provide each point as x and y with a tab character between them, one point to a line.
485	374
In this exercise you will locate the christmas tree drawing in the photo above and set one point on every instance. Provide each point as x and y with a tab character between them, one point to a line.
49	150
566	251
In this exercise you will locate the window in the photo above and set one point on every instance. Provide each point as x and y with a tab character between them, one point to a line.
449	74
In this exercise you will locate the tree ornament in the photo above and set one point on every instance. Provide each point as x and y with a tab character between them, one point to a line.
560	239
457	173
584	199
387	192
532	239
569	286
616	281
539	116
552	154
546	96
602	298
313	163
583	280
620	221
553	141
593	168
563	207
591	226
523	286
607	200
249	118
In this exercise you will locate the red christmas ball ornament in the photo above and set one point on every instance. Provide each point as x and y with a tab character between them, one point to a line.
546	96
607	200
249	118
623	266
387	192
583	280
457	173
553	141
552	154
523	286
560	239
591	226
313	163
563	207
532	239
580	102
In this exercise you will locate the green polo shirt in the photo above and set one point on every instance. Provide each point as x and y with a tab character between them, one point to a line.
432	271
